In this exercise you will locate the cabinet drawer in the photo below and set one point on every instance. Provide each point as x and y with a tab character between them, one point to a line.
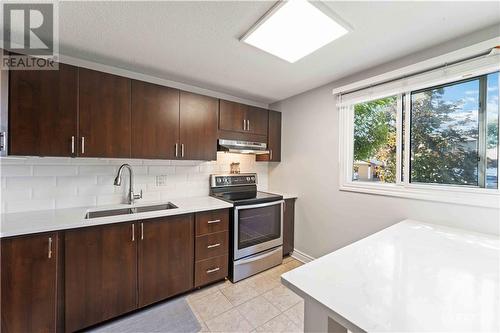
210	270
212	221
212	245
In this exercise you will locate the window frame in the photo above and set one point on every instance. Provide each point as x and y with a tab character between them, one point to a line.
460	194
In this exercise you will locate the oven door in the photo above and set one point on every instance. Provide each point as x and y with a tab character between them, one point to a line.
257	228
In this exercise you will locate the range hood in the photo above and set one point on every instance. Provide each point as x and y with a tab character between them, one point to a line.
242	147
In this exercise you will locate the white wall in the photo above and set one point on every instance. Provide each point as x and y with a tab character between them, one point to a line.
326	218
33	183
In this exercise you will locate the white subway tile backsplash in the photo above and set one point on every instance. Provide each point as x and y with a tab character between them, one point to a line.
59	170
95	190
54	192
76	181
17	194
97	170
29	182
80	201
33	183
29	205
15	170
110	199
161	170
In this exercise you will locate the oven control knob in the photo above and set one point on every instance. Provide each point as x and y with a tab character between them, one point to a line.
248	179
253	178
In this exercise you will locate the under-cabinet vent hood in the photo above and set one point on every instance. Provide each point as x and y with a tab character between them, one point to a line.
242	147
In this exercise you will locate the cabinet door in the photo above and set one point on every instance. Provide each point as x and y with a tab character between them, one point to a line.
274	136
288	226
232	116
43	111
104	128
155	120
166	257
257	119
198	127
100	274
29	283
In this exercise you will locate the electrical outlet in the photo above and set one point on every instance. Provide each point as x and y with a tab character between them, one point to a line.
161	180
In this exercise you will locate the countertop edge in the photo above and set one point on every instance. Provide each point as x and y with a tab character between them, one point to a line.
72	214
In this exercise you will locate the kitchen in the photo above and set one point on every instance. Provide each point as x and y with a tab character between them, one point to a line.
170	198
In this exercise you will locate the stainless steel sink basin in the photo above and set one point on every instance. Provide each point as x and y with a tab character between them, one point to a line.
143	209
126	211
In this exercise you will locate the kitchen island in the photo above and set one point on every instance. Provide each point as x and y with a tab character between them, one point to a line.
412	276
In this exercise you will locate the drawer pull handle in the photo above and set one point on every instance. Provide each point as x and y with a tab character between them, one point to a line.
214	221
213	270
213	245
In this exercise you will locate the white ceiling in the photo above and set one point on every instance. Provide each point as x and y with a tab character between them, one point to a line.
197	42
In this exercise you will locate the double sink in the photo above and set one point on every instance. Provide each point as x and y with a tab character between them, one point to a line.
126	211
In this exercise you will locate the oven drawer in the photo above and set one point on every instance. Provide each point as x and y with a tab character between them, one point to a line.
210	270
212	245
212	221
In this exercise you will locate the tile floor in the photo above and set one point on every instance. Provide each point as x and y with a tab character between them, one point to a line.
257	304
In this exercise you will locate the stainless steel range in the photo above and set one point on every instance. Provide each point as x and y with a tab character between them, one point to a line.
256	224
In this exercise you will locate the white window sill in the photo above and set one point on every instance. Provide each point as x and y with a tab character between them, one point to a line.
489	198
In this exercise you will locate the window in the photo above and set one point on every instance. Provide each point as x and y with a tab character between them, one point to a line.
375	140
438	142
449	128
444	135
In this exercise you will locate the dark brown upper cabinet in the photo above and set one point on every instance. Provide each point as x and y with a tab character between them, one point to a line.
257	119
29	283
198	127
100	274
155	121
104	114
237	117
232	116
166	257
43	112
273	139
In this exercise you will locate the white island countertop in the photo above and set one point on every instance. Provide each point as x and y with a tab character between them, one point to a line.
412	276
15	224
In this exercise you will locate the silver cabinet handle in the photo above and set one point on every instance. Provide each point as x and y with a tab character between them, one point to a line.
213	221
213	270
213	245
182	150
133	232
176	149
72	144
244	124
248	125
142	231
49	255
83	145
270	154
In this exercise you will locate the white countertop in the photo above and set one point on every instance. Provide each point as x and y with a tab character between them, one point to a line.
411	276
14	224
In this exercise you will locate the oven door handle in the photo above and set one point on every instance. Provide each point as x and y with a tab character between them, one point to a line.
265	204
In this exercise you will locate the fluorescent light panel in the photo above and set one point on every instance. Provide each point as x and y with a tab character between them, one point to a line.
294	30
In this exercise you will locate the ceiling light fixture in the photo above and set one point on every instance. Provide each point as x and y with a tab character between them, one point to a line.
293	29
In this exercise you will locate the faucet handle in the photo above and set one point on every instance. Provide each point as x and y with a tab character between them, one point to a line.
138	196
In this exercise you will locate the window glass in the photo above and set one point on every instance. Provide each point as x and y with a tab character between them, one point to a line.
375	140
492	111
444	135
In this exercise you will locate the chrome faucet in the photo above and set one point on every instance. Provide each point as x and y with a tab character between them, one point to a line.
118	181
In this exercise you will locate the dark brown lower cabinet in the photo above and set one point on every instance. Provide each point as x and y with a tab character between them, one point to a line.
100	274
288	226
29	283
166	257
